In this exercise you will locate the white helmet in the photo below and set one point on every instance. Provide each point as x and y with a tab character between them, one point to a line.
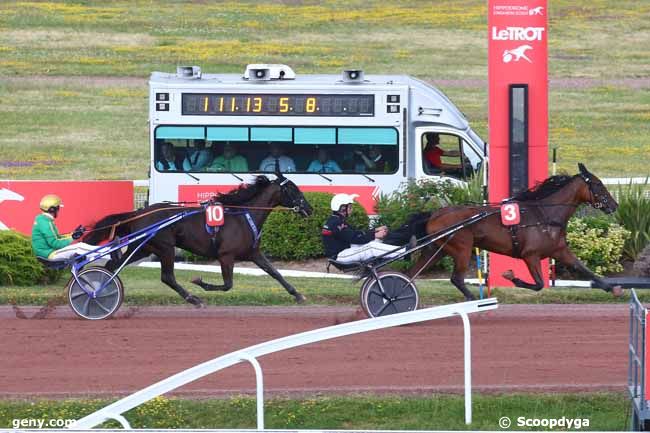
340	199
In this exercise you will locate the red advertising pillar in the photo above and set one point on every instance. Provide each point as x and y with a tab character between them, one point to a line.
518	109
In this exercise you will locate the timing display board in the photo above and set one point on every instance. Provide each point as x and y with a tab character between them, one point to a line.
254	104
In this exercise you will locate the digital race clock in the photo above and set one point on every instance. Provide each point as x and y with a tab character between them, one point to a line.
251	104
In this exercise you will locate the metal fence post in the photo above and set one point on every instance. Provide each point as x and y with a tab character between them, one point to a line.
259	380
467	339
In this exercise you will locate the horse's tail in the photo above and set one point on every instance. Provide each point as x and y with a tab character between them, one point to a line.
103	228
415	225
418	224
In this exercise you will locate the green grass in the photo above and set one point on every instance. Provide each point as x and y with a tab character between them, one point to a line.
143	287
605	412
73	74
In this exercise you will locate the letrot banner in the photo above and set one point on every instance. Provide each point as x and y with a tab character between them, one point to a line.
84	202
518	109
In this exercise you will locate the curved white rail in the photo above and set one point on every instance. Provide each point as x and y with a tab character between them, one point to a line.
249	354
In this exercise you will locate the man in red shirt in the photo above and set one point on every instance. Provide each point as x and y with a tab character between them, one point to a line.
433	155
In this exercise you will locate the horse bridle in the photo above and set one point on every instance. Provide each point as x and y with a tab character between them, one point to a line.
598	201
283	188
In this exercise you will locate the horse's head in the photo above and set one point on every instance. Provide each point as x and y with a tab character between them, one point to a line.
599	197
291	196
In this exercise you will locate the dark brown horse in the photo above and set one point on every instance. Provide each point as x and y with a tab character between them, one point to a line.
541	233
237	239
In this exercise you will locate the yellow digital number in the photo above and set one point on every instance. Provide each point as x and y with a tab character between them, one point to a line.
221	104
310	105
205	105
284	105
232	104
257	104
248	104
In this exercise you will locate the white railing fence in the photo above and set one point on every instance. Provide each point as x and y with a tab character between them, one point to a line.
250	354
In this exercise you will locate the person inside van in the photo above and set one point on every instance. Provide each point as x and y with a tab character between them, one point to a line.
198	157
230	161
323	164
167	161
373	162
433	154
277	157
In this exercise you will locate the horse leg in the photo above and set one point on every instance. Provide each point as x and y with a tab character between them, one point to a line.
535	268
260	260
167	277
461	257
227	265
566	257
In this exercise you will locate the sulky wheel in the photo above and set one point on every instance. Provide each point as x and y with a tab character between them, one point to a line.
106	301
391	293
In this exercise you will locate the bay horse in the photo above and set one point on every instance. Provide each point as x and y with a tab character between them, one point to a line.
237	239
541	233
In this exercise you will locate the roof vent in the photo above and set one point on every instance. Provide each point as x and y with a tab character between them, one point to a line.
353	76
263	72
188	72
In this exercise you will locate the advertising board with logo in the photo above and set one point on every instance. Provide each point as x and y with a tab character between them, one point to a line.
83	202
517	59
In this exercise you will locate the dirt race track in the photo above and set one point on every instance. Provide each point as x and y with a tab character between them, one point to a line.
533	348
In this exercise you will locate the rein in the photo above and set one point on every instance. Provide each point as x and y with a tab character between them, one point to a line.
128	220
114	226
203	203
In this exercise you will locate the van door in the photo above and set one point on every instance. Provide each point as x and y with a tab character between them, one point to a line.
444	153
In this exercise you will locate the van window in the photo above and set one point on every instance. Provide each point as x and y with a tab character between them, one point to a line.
242	149
442	154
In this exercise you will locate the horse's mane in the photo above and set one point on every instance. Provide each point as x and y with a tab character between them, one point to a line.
544	189
244	193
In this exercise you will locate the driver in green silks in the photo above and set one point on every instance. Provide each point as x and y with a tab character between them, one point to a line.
47	243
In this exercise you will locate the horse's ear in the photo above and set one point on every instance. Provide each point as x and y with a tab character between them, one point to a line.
582	168
278	173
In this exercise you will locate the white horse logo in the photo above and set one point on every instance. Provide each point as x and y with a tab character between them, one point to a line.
539	10
6	194
517	53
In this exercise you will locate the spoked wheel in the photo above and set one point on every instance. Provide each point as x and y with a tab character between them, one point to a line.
399	294
106	302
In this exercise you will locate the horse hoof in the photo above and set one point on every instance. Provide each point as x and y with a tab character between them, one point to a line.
617	291
300	298
508	275
197	280
197	302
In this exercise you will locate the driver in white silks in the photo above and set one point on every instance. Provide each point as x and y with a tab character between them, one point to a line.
347	245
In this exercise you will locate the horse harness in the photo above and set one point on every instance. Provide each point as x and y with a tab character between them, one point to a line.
543	221
255	231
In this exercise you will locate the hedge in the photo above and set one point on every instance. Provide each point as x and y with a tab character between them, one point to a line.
598	243
18	265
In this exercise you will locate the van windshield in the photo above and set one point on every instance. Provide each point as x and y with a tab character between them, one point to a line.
237	149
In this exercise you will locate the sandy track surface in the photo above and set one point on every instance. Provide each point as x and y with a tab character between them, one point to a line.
536	348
